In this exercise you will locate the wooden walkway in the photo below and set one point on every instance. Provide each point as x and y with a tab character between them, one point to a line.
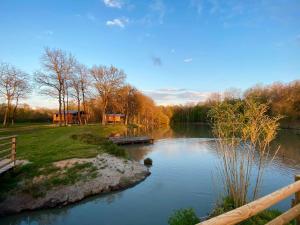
6	165
7	153
131	140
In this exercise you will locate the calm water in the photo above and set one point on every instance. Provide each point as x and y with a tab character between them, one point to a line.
183	175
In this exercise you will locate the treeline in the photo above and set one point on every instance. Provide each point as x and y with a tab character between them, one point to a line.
14	86
190	114
26	114
282	99
97	91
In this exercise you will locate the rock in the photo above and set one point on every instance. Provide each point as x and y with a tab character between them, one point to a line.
148	162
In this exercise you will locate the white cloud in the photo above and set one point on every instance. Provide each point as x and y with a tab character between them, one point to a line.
121	22
172	96
188	60
113	3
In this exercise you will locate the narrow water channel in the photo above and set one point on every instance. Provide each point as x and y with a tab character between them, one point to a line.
183	175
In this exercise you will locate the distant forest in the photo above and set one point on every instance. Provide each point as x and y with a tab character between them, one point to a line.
282	99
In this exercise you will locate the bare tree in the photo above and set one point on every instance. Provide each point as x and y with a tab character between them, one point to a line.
76	92
84	81
23	88
57	66
107	81
68	72
13	86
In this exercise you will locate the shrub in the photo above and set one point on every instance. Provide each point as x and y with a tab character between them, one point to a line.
223	206
244	132
184	217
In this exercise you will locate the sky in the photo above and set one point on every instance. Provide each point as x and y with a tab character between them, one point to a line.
175	51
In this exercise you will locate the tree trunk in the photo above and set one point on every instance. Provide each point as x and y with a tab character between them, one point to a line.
6	114
104	110
103	117
126	113
67	103
64	109
126	119
84	107
59	109
15	112
78	111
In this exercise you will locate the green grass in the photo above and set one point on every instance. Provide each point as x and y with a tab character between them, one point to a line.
43	144
184	217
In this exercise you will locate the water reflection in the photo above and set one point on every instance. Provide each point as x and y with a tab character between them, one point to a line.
289	151
182	130
184	161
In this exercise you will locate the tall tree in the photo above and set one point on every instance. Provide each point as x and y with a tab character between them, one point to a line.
107	81
125	99
13	86
84	81
75	84
56	67
23	88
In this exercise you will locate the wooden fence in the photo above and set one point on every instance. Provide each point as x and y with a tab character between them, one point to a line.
7	153
245	212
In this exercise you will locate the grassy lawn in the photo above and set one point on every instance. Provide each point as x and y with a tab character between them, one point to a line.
44	144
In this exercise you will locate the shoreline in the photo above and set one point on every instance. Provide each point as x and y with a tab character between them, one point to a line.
112	174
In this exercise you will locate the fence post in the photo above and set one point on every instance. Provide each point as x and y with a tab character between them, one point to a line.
297	199
13	150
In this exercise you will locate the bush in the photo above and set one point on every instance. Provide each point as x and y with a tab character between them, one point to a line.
223	206
148	162
184	217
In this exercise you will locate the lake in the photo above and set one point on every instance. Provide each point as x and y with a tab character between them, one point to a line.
183	175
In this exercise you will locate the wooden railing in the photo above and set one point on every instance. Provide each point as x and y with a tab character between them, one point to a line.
7	152
245	212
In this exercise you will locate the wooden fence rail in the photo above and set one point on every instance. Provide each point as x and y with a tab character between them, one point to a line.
7	153
245	212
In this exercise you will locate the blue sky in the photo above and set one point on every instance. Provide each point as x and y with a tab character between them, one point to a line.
177	51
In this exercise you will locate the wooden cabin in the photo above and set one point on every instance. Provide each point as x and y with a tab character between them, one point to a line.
114	118
71	117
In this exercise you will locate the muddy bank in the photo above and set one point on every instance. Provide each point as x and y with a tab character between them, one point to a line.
110	174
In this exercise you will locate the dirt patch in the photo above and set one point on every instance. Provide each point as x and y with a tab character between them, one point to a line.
70	162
